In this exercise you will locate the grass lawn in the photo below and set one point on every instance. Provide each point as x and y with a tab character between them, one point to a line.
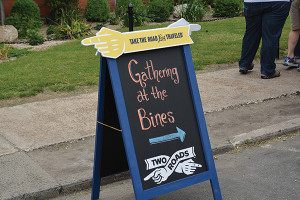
61	68
71	65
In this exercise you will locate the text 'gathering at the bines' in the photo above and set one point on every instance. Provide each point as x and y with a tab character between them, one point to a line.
148	119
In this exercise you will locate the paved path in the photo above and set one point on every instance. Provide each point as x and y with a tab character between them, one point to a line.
47	147
267	172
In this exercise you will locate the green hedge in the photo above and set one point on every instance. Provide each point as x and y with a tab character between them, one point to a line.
97	10
195	10
26	8
224	8
59	7
157	8
25	15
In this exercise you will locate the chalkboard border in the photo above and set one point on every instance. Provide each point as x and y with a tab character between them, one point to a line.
141	194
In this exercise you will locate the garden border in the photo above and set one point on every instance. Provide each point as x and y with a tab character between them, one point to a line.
97	27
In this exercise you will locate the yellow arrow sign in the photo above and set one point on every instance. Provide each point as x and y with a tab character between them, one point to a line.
112	43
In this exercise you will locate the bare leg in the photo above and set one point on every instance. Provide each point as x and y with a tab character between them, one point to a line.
293	39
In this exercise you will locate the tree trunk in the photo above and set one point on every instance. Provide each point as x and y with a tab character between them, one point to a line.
2	12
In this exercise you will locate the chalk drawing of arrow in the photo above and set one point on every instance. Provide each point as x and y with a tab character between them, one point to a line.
179	135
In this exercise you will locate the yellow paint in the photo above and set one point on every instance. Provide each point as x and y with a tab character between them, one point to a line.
112	44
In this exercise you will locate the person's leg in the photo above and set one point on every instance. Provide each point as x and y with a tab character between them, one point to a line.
294	34
272	23
290	59
252	35
297	50
293	39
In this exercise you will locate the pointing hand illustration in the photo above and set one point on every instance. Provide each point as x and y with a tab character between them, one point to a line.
112	43
108	42
159	175
188	167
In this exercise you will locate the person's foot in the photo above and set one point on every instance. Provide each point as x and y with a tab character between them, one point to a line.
291	62
245	71
276	74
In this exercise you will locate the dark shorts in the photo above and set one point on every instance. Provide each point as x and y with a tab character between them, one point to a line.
295	15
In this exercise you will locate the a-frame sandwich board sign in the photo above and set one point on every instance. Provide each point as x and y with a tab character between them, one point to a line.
159	109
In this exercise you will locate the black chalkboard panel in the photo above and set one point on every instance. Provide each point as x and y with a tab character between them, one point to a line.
112	145
161	115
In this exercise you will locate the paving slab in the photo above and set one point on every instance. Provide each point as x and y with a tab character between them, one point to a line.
6	147
225	88
267	132
268	117
21	177
67	163
34	125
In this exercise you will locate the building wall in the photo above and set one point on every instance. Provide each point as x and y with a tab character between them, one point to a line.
44	10
7	6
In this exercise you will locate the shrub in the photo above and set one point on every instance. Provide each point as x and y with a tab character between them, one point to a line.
30	25
51	30
18	52
99	26
182	1
138	7
224	8
34	37
170	6
71	25
4	49
97	10
24	19
209	2
57	7
194	11
73	30
23	23
68	16
16	20
7	51
26	8
157	8
114	19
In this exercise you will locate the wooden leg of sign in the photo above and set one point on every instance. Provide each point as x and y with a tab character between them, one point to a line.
202	124
99	132
216	188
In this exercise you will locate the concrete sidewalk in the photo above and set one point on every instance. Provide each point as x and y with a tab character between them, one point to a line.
46	148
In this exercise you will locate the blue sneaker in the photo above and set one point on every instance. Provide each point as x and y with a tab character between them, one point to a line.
290	62
298	69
